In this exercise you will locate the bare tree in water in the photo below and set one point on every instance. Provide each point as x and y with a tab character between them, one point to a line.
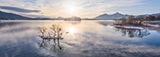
42	30
54	35
57	33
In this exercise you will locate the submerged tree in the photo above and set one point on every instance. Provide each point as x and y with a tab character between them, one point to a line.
54	33
42	30
57	33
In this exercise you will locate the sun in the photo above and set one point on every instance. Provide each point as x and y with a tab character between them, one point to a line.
72	10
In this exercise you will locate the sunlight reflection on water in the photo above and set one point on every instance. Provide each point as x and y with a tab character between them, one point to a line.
87	39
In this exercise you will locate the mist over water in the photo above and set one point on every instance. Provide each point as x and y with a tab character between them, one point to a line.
89	39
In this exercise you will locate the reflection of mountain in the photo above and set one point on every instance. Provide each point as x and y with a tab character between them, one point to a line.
112	16
11	16
133	32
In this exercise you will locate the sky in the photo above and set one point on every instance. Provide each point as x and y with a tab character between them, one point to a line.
83	8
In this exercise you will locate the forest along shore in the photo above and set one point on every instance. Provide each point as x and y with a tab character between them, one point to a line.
133	22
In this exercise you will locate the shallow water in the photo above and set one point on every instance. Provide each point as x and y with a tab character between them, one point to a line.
89	39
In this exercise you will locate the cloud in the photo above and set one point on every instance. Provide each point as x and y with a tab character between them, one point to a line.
85	8
18	9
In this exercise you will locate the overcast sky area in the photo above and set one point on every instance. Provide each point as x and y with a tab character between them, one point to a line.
85	8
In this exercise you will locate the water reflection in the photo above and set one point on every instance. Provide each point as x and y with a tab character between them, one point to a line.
50	44
133	33
2	24
87	39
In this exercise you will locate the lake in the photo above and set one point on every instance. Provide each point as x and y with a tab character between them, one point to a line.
83	39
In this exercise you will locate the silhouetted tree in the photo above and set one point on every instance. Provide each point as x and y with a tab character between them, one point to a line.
158	17
131	20
150	17
42	30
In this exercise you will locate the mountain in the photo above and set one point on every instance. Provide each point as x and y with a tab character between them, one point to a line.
156	15
116	15
11	16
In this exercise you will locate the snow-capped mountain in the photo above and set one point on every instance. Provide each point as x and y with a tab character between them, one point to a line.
116	15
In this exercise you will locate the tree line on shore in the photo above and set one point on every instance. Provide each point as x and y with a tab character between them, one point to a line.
138	21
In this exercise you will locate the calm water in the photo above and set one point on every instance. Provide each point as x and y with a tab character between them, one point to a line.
85	39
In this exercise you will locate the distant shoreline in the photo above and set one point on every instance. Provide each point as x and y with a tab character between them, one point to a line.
46	20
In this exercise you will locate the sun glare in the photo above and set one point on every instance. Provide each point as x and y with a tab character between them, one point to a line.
72	10
72	30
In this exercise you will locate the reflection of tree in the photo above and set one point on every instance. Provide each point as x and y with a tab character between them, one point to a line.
133	32
49	44
51	39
